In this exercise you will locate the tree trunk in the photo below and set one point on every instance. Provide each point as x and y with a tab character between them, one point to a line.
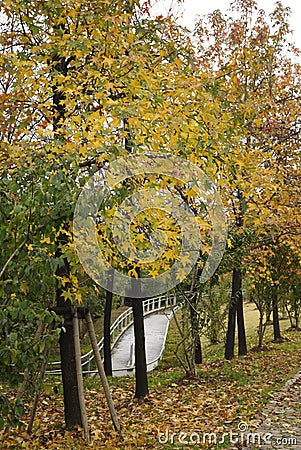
198	355
242	341
68	366
230	339
107	326
67	350
140	355
290	316
69	377
297	320
276	324
268	316
67	353
79	374
261	329
141	389
198	358
213	314
236	306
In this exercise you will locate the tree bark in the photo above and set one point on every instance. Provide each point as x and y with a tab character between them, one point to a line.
141	388
261	329
198	357
230	339
79	374
67	352
242	341
68	366
107	326
276	324
297	320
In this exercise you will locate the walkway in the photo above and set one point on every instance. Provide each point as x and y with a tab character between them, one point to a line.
279	424
156	327
121	337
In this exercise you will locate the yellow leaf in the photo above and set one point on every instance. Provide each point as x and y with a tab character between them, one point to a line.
45	240
229	243
133	273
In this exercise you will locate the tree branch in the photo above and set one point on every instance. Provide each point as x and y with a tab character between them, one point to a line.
11	257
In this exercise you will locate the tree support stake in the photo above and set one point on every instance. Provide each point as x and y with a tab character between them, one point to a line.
102	373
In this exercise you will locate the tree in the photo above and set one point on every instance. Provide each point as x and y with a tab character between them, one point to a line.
72	76
107	327
141	389
245	54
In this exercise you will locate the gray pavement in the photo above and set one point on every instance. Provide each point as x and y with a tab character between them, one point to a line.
279	423
156	326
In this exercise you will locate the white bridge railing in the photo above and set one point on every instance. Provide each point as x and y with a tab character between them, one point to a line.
120	325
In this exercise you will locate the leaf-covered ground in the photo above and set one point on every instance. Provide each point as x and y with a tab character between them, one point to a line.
222	396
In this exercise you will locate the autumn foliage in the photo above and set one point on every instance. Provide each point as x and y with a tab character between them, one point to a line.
83	83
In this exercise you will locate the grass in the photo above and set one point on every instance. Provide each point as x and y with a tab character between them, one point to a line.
212	352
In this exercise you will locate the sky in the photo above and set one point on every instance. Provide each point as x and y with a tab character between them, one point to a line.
191	8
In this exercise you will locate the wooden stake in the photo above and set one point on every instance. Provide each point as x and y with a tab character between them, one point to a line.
102	373
21	389
79	375
38	391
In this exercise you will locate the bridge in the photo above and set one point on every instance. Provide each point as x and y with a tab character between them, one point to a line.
157	314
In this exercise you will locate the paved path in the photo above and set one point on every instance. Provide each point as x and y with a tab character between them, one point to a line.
156	326
279	423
